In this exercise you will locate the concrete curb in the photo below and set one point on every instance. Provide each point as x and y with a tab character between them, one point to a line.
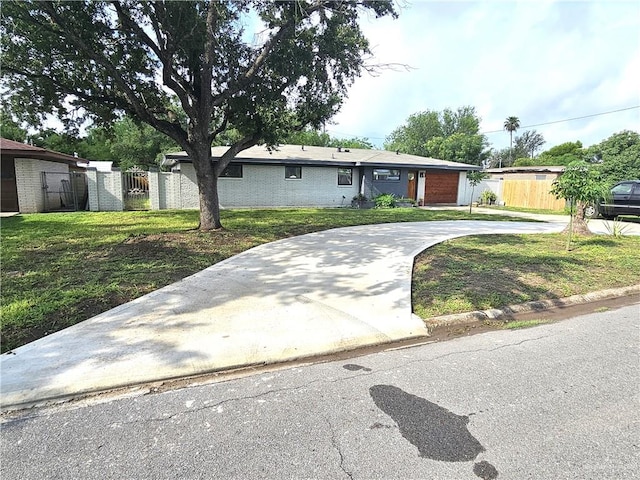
535	306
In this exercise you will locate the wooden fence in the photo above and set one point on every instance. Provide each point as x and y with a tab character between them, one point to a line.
530	194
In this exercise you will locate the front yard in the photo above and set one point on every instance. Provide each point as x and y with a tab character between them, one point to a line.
60	269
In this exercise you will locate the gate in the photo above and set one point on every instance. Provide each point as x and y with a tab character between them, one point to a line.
64	191
135	184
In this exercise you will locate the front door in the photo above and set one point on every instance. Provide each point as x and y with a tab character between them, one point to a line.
412	185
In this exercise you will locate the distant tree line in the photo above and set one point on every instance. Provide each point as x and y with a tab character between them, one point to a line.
448	135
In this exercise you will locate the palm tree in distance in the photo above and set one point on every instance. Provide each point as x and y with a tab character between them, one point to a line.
511	124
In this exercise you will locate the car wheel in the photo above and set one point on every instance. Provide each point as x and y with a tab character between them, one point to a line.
590	211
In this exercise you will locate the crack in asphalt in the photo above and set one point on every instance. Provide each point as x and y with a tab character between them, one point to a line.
336	380
335	445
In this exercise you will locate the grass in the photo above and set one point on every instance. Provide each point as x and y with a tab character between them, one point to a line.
61	268
492	271
518	324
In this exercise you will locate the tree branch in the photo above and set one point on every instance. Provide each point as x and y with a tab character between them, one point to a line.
235	149
133	104
170	76
268	46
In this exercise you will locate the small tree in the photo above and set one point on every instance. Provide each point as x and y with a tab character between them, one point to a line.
579	185
474	178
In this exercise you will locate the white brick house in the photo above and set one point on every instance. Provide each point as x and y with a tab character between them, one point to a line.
33	178
296	176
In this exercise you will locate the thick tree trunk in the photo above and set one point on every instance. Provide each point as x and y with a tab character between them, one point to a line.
207	189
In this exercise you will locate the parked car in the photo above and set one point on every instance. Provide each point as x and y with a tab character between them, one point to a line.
624	200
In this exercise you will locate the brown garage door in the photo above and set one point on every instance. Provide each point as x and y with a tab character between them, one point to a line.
441	187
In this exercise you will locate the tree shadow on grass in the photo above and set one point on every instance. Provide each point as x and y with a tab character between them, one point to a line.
345	284
478	281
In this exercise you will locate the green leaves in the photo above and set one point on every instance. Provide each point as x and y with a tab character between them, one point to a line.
100	60
619	157
447	135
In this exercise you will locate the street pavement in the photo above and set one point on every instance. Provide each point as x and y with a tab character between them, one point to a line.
558	401
303	296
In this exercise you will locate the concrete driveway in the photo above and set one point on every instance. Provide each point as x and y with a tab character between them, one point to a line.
303	296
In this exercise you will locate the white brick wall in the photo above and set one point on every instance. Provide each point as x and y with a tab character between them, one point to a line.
265	186
105	190
169	190
29	182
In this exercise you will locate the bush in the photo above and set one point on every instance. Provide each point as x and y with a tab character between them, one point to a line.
488	197
386	200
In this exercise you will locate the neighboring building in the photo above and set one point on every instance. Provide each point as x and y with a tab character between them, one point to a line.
526	187
36	180
540	172
294	175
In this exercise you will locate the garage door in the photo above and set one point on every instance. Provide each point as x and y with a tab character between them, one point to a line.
441	187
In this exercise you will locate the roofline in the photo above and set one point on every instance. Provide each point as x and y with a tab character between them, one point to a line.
324	163
533	168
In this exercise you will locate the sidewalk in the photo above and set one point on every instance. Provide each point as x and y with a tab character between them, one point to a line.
596	225
294	298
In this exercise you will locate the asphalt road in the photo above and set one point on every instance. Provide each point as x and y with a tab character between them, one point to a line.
558	401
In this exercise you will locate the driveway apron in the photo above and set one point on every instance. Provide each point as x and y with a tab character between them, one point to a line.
294	298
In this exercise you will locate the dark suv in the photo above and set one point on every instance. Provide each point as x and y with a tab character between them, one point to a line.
624	200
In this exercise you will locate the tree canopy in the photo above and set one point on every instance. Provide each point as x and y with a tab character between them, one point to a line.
10	129
101	60
312	137
618	157
124	142
447	135
580	185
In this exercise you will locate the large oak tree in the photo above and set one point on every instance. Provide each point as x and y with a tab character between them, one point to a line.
105	59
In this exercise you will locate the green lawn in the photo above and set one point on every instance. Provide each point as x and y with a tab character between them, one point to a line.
489	271
60	269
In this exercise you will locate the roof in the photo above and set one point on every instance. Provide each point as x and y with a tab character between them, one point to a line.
532	169
23	150
327	156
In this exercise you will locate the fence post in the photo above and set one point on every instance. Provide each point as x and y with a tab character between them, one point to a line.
116	186
92	187
154	188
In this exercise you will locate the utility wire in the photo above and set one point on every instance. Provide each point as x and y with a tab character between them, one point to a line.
568	119
502	130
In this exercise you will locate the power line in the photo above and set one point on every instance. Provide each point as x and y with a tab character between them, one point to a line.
569	119
502	130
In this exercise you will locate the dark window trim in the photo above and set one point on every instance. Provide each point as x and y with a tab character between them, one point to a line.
296	176
226	173
387	179
343	175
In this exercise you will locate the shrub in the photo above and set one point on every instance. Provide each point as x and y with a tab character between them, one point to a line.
488	197
386	200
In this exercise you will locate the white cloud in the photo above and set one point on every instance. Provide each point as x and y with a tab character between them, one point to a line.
540	61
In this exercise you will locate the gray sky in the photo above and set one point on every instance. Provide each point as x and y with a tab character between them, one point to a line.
541	61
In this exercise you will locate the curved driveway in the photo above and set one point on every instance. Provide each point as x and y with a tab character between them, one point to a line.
298	297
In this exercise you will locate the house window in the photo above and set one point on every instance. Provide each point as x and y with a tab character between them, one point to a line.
233	170
386	174
345	176
292	172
